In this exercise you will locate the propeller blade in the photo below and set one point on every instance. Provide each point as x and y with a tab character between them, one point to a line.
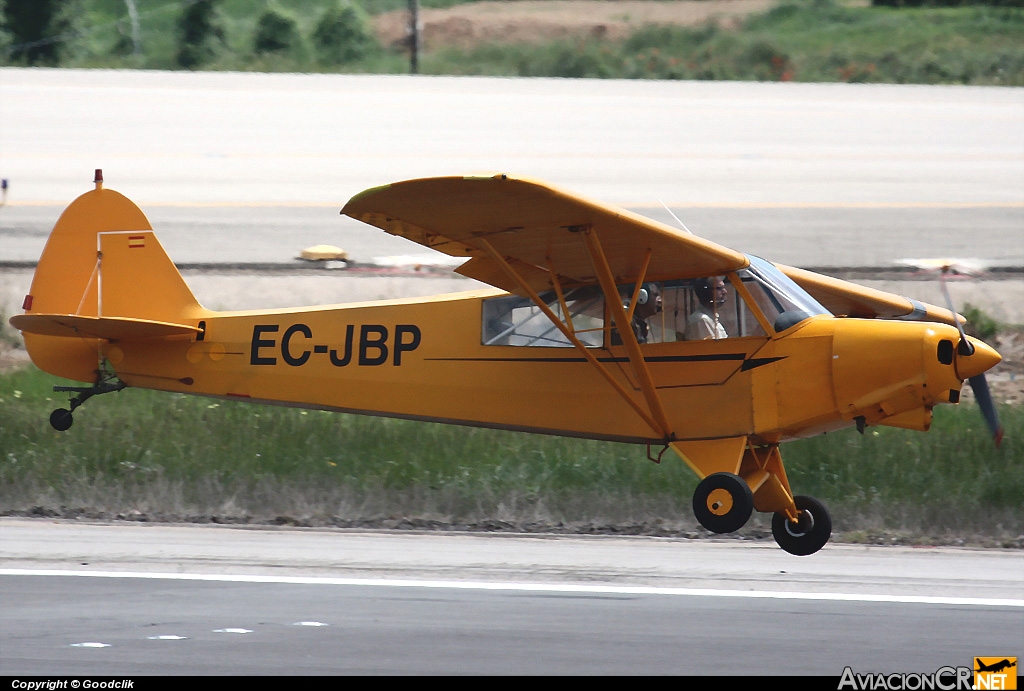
981	394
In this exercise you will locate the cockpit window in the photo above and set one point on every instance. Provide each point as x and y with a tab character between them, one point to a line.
700	310
685	310
782	301
514	320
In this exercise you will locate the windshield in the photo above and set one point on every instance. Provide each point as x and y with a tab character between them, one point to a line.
782	301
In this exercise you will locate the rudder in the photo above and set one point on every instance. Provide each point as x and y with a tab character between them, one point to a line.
102	259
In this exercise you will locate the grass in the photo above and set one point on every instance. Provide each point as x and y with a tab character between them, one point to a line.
817	41
159	456
800	40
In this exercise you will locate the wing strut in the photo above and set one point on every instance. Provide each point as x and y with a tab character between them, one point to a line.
638	287
660	429
622	322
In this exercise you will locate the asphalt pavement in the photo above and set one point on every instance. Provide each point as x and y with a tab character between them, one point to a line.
254	167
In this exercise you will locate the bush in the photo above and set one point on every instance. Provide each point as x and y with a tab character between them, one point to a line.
979	324
343	35
38	31
946	3
276	32
200	34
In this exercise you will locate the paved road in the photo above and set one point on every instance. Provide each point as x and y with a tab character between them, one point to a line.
251	167
831	236
216	600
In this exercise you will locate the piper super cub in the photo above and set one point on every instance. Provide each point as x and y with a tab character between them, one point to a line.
601	323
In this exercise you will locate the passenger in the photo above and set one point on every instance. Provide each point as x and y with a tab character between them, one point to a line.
648	304
703	323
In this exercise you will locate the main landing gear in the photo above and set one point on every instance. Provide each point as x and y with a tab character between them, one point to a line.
62	418
809	534
723	503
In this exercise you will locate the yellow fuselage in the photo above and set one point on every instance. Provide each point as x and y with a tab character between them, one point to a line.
425	360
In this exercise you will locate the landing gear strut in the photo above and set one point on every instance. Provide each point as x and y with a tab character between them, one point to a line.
62	418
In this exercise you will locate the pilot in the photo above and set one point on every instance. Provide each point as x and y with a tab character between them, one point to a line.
703	323
648	303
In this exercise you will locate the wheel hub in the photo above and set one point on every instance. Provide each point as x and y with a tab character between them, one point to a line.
720	502
805	525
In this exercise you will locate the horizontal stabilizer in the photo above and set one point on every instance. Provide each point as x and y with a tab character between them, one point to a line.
106	328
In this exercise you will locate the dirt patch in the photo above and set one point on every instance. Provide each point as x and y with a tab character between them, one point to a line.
535	21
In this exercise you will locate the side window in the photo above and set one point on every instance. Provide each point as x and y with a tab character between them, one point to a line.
516	321
691	310
701	309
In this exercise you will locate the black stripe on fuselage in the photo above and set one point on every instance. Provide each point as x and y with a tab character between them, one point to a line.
721	357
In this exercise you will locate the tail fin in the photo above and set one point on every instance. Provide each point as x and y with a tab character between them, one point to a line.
102	265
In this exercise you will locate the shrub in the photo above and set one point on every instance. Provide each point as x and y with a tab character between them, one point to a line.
979	324
276	32
946	3
343	35
38	31
200	34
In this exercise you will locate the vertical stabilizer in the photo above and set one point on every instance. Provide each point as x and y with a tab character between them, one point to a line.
101	259
137	279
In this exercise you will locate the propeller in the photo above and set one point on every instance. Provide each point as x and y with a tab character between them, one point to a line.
978	382
981	394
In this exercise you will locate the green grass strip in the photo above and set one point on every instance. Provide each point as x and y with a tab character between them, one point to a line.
176	457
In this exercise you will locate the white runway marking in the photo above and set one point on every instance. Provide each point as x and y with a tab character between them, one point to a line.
531	587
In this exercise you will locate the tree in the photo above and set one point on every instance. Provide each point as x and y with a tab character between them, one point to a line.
200	33
276	32
38	30
343	34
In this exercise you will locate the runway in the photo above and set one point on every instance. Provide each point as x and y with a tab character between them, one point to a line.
220	137
157	599
254	167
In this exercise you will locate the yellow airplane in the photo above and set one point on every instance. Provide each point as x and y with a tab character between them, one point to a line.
601	324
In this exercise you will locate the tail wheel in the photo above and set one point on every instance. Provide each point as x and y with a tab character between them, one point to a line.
61	419
809	534
723	502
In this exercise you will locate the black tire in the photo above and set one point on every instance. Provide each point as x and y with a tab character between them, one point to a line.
810	534
61	419
723	502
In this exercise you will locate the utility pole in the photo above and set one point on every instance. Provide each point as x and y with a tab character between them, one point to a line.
133	14
414	36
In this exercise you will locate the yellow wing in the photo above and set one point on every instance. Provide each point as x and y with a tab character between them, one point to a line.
536	229
845	299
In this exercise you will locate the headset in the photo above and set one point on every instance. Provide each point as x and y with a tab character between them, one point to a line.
642	297
704	289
